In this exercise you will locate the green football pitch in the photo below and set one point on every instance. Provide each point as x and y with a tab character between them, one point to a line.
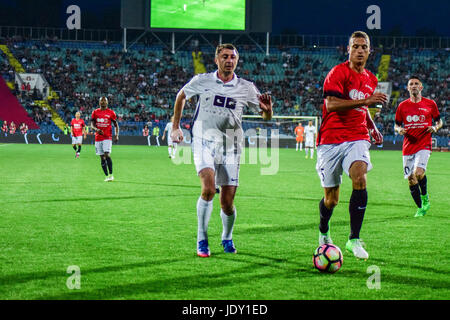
135	238
198	14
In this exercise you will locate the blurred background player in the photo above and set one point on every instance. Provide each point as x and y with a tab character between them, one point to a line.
146	133
417	114
101	121
222	97
344	141
156	134
172	145
299	131
310	139
77	128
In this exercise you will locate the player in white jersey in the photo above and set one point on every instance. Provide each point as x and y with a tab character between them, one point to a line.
310	138
172	145
218	137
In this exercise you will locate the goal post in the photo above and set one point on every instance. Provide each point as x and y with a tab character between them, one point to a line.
282	126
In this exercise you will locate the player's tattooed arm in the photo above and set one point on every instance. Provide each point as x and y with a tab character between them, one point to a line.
399	129
373	130
436	127
97	130
337	104
266	104
116	124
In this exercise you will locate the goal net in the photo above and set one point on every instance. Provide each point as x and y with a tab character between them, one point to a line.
281	127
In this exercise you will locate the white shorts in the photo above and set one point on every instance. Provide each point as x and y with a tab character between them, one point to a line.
171	143
333	158
77	140
209	154
309	143
101	147
416	160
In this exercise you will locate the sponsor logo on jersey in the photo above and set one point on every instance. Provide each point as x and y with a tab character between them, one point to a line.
357	95
415	118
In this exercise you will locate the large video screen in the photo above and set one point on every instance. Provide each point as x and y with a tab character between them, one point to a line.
198	14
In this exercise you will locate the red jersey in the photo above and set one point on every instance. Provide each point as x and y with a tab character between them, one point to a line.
77	127
416	117
350	125
102	119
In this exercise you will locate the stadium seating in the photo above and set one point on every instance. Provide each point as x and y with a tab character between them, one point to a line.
142	84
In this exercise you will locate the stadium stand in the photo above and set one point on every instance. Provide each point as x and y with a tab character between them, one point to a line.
142	83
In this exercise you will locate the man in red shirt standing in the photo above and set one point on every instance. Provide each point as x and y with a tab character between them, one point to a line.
101	121
77	128
343	140
417	114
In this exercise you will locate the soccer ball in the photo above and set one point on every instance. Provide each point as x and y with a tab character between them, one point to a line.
328	258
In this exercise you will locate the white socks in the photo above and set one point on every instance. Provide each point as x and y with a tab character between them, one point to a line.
228	223
204	209
312	153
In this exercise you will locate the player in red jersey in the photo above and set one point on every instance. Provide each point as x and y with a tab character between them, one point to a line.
77	127
101	121
417	114
343	140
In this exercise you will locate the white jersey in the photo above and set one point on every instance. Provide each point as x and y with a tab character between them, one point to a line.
169	129
220	106
310	131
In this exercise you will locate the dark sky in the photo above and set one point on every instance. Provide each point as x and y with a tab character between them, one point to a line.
338	17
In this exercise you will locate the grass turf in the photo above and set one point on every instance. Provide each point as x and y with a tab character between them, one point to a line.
135	238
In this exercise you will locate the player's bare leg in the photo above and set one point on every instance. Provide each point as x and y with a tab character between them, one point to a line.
326	206
228	215
357	208
204	209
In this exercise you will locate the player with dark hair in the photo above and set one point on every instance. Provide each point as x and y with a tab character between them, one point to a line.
101	121
417	114
77	127
218	137
343	140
